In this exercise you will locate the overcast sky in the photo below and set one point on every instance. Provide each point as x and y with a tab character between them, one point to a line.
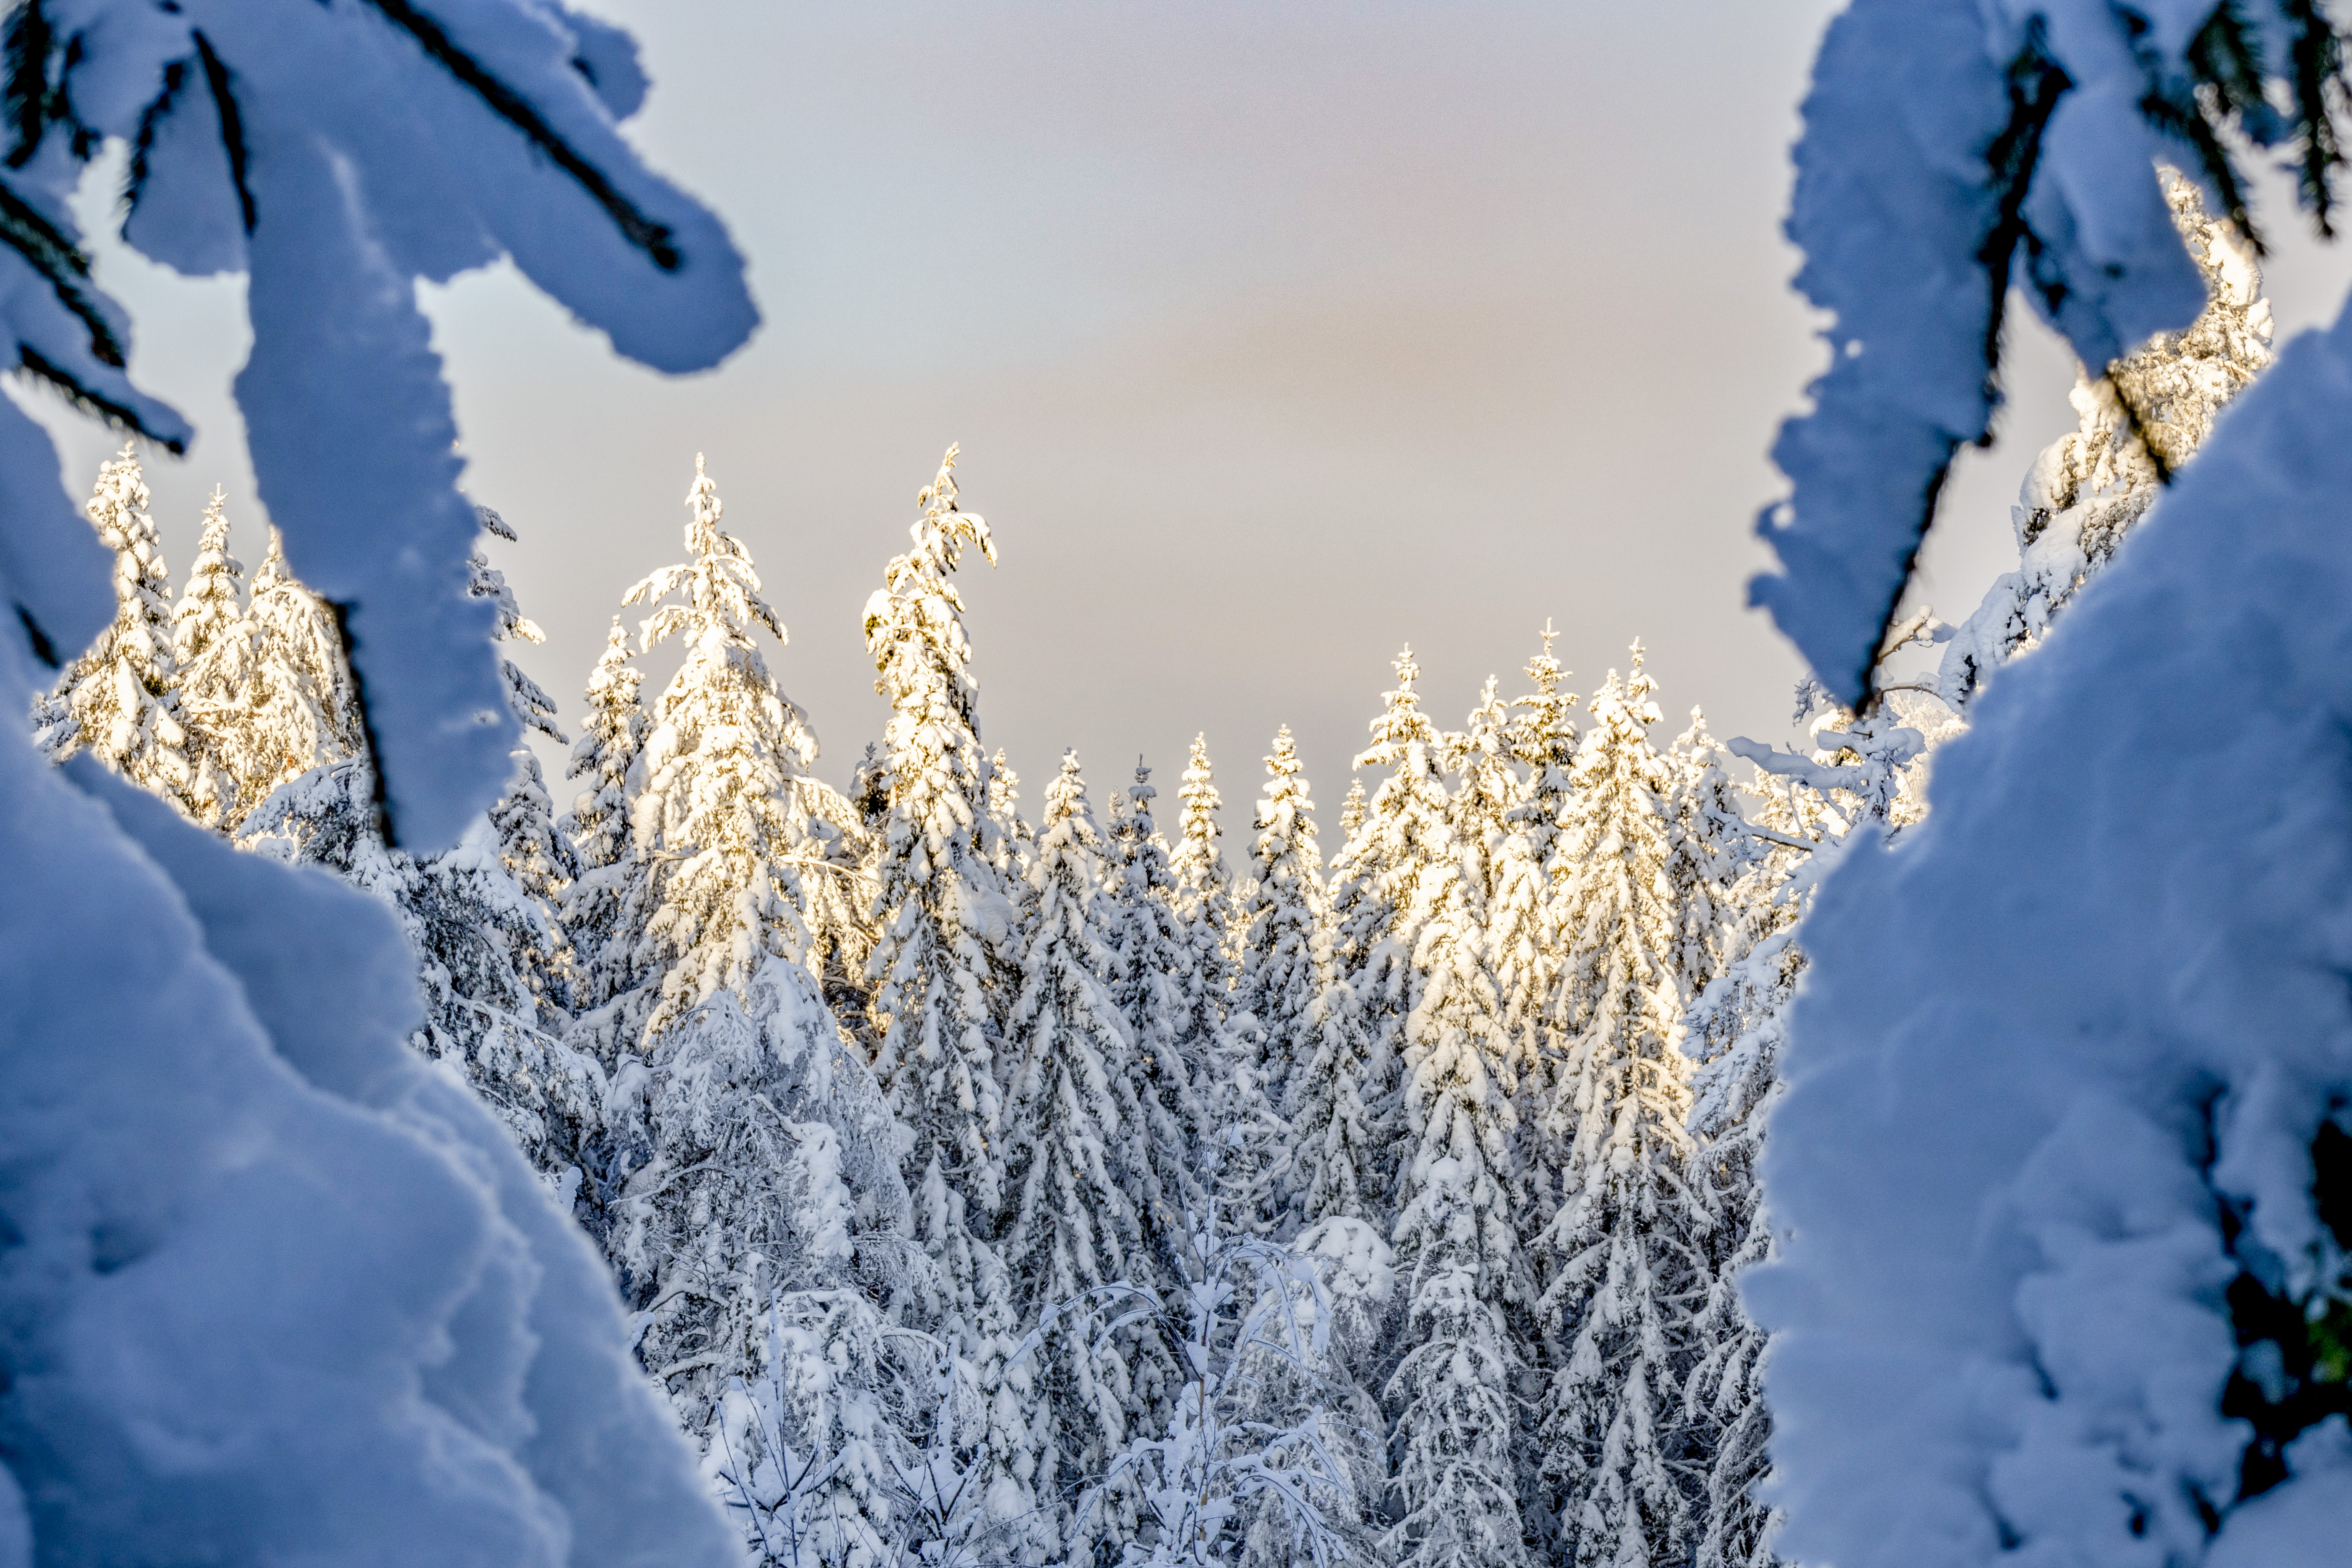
1276	337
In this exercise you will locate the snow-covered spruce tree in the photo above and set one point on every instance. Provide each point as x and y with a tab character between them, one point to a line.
213	600
941	983
209	617
1734	1030
1070	1226
1162	981
1334	1169
299	708
1480	755
1205	886
1331	1192
723	816
757	1242
1524	934
1284	934
537	855
119	701
1453	1390
1524	871
1510	884
761	1242
2141	421
1711	855
534	709
1620	1255
763	1216
1247	1464
1298	1075
1543	740
540	859
605	908
1210	903
1016	845
492	961
1390	879
1352	811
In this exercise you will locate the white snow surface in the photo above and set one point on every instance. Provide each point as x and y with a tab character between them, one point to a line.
2097	993
275	1289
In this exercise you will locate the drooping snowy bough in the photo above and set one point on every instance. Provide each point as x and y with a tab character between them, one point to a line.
1953	150
2060	1172
275	1289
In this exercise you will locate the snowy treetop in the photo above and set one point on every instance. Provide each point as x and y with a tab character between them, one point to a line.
719	589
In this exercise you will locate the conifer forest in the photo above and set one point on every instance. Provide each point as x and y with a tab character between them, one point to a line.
448	1121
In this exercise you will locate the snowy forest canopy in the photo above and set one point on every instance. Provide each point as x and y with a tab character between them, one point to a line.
404	1157
982	1191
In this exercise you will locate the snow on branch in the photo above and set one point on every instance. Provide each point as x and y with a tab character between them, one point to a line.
1249	1304
291	143
1950	150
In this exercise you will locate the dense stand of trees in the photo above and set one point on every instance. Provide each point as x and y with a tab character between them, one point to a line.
983	1192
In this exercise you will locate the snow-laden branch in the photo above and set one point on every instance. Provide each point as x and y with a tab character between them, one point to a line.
1953	149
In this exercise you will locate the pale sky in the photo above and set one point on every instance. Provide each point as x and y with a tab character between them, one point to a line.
1276	337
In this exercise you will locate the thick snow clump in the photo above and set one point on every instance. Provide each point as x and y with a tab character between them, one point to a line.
2058	1069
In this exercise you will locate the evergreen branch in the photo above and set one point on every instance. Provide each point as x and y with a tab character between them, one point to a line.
371	751
61	264
37	640
708	1358
2036	84
151	123
41	243
2316	54
88	399
496	1016
647	233
669	1177
231	126
27	101
2223	63
677	1291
